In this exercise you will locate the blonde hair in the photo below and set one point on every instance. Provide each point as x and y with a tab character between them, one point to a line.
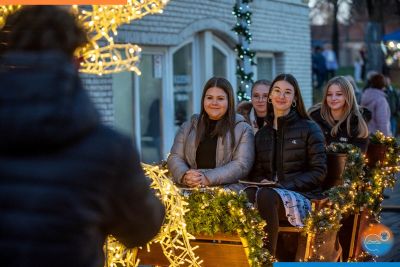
351	108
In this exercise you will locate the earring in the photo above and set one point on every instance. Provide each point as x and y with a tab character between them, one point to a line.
269	100
294	104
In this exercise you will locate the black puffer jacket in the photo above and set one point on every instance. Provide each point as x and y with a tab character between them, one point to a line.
66	181
299	152
342	135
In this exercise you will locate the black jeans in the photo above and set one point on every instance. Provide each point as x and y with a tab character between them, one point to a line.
271	209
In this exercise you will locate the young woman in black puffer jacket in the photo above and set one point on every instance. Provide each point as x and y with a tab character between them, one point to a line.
289	150
339	116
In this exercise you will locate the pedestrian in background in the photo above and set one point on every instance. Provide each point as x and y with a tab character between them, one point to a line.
319	67
374	99
394	105
66	181
331	61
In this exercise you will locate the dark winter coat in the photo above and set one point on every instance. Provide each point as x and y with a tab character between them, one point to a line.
342	135
66	181
300	154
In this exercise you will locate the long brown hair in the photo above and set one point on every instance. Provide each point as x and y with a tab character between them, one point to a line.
227	122
350	108
300	108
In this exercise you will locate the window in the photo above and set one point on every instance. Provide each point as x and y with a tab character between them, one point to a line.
150	93
183	84
219	63
265	67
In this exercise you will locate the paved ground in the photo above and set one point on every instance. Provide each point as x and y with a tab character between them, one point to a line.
391	218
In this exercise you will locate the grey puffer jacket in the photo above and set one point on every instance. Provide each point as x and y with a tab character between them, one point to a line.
231	165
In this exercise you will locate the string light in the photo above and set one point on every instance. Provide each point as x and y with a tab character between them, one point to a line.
102	55
391	50
173	236
245	56
362	188
214	210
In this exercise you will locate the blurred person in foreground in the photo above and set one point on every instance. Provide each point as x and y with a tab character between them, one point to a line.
66	181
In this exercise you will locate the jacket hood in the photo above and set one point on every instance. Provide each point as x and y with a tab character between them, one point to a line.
372	94
43	104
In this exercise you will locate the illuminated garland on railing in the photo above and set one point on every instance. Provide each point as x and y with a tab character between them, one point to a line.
362	188
382	175
341	197
216	210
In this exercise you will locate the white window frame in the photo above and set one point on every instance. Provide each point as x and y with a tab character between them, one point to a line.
230	60
164	98
264	55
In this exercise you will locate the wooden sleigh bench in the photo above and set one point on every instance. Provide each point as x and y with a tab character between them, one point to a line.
230	250
217	250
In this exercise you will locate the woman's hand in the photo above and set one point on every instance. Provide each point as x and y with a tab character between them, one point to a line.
194	178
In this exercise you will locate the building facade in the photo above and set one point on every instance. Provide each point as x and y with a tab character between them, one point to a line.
182	48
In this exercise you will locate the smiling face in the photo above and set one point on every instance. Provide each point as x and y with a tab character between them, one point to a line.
259	99
335	98
282	97
215	103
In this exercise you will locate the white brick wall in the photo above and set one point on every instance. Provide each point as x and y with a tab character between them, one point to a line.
279	26
283	27
100	91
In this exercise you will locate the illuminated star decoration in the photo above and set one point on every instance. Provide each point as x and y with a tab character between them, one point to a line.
173	236
102	55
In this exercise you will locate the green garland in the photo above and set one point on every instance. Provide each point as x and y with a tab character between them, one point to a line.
382	175
341	197
214	210
243	17
362	185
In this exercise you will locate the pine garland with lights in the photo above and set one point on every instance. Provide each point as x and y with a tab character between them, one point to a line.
382	175
245	56
341	197
362	187
215	210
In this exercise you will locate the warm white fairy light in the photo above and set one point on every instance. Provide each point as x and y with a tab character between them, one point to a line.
102	55
173	237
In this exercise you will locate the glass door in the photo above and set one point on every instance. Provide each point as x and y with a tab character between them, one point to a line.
150	95
182	84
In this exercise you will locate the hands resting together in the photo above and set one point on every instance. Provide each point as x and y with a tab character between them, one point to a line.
195	178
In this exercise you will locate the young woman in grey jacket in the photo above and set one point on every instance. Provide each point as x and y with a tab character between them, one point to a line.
216	147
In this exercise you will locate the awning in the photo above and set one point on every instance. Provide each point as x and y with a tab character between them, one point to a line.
393	36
